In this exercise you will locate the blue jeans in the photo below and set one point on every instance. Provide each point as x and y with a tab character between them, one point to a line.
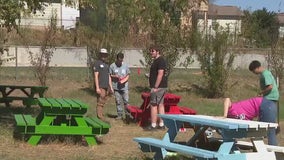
268	113
121	100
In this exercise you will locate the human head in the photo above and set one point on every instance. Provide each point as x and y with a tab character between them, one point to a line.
255	67
103	54
119	58
155	51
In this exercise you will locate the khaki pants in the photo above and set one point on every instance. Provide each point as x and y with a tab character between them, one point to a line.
101	100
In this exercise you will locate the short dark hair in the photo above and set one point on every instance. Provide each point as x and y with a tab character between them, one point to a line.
156	48
254	64
119	55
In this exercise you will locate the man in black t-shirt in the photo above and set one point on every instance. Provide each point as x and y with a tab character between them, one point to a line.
158	84
103	82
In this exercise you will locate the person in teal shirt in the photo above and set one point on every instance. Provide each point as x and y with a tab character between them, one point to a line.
269	90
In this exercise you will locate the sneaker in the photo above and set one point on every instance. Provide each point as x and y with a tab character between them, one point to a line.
99	139
150	128
118	118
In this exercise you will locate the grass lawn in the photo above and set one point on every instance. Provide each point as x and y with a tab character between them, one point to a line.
118	143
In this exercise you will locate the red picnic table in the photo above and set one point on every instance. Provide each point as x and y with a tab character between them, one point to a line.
142	114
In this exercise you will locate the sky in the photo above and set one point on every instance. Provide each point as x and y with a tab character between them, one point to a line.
276	6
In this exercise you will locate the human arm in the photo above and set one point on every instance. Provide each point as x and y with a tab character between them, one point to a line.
227	104
264	91
124	79
159	79
96	78
110	84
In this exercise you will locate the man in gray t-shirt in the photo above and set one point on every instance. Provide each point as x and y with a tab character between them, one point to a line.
102	82
119	73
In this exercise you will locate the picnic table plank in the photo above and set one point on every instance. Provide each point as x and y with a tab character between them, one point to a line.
230	131
72	103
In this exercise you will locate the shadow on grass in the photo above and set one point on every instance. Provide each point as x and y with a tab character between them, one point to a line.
88	90
7	113
199	90
140	89
111	115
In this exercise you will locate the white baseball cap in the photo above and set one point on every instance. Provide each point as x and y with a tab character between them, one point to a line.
103	50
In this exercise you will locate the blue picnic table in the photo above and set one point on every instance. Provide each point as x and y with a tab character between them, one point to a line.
230	131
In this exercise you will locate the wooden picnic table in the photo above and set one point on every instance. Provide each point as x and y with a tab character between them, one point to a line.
142	114
28	94
60	116
231	130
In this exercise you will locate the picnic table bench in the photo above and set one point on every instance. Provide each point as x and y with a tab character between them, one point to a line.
28	94
231	130
142	114
60	117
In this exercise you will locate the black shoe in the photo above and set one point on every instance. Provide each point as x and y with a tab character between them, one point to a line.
150	128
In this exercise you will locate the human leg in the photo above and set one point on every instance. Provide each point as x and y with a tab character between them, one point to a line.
101	99
268	113
161	108
125	98
154	117
118	103
154	109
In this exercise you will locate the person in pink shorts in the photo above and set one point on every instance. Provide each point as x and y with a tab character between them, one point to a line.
256	107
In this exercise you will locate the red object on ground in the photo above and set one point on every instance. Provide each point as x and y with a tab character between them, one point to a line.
142	114
138	71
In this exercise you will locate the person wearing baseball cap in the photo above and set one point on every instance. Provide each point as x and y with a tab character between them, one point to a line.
103	83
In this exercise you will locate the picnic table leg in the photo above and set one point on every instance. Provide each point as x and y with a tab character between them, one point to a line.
174	127
198	134
5	95
34	139
91	140
160	154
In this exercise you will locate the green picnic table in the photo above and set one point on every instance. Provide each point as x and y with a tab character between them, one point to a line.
27	94
60	116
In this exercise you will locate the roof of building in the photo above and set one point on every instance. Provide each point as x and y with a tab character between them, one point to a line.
280	17
224	10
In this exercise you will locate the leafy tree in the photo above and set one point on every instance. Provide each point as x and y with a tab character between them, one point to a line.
10	14
276	60
259	27
216	61
40	61
158	20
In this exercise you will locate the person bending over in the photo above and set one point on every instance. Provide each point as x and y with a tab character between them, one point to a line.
252	108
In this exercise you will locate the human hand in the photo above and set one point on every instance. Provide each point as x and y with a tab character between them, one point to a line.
98	91
111	90
154	90
122	80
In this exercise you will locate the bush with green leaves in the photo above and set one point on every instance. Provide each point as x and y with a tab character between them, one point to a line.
216	61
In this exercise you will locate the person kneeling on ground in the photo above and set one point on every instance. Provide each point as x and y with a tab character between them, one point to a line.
251	108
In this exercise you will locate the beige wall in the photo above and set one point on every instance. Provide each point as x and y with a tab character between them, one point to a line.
77	57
